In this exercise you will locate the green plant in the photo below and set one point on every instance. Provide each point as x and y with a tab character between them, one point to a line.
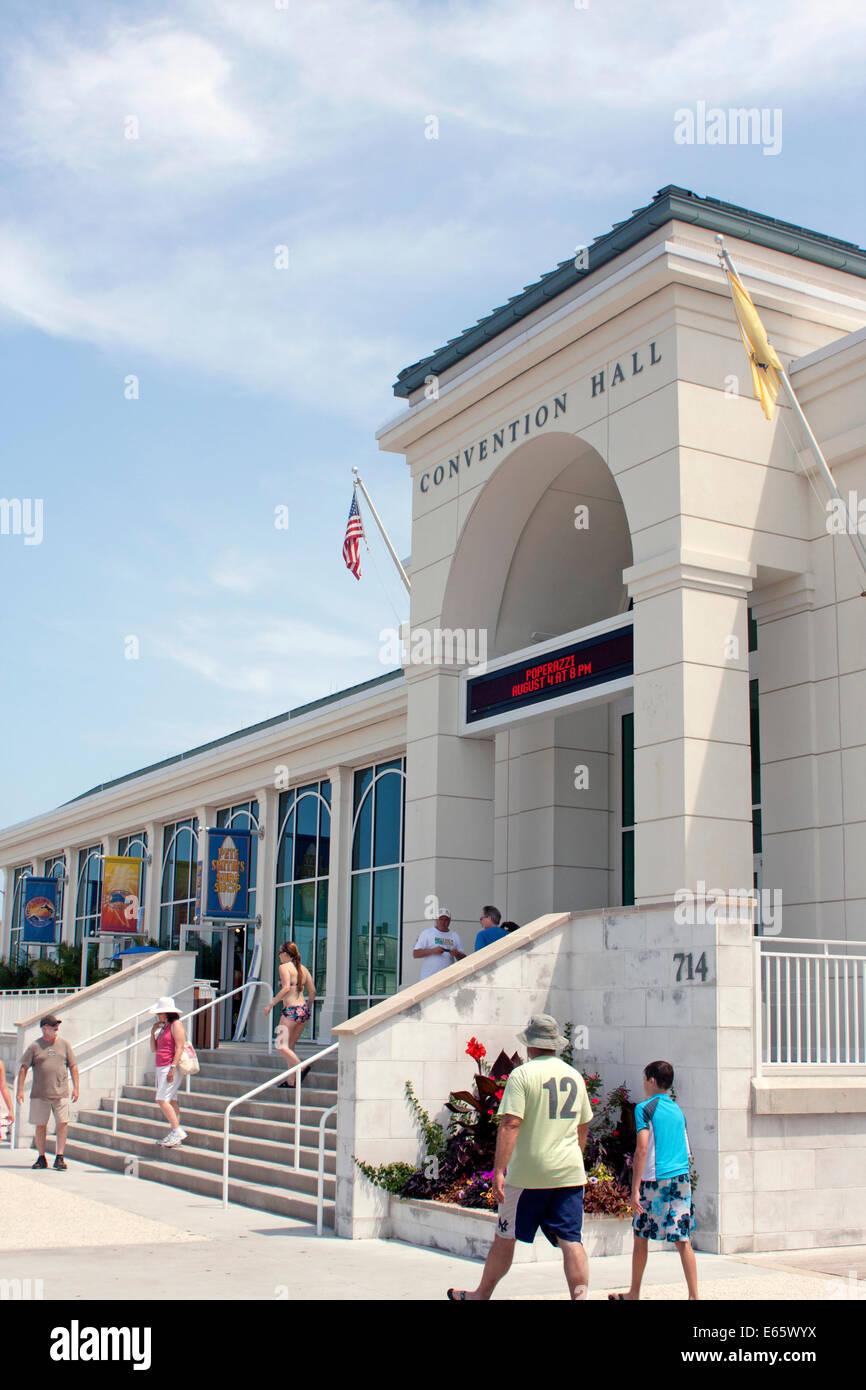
432	1132
567	1053
391	1177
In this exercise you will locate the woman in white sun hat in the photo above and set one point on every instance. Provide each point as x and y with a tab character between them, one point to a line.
167	1040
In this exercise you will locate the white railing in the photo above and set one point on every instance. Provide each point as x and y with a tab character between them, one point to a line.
137	1042
810	1003
14	1003
298	1068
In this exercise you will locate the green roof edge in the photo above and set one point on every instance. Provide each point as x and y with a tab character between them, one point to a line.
669	204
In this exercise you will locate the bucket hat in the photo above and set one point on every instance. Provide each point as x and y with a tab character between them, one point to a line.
542	1031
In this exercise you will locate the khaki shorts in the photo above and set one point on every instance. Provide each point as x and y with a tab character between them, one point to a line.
41	1111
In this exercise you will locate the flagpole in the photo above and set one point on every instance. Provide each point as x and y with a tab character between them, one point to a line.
358	483
859	548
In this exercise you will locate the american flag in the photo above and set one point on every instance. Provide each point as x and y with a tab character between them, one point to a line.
354	532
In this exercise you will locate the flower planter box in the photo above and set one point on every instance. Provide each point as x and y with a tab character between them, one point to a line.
469	1232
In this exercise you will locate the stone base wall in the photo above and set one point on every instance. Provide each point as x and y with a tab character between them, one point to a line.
781	1162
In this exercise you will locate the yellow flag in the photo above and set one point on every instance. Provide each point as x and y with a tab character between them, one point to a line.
763	358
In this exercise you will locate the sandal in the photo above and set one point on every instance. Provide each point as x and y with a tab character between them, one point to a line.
457	1295
618	1298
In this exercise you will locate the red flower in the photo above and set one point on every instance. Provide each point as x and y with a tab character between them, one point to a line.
616	1134
499	1095
593	1101
475	1050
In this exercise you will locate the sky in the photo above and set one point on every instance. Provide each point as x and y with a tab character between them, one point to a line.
224	229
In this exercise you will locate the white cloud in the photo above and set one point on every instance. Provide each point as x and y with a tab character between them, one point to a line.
254	127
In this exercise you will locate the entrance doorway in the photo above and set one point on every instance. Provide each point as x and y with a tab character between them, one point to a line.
226	958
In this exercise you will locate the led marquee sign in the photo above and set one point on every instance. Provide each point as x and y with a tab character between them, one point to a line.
590	662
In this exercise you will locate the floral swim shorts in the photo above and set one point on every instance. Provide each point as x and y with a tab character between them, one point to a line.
298	1013
669	1214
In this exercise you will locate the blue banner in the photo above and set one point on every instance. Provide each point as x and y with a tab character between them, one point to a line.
39	911
227	875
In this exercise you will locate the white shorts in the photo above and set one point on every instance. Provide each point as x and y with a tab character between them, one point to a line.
165	1089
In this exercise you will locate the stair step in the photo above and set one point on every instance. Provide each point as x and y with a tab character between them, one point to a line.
210	1120
210	1085
260	1109
277	1201
248	1077
269	1173
260	1057
277	1148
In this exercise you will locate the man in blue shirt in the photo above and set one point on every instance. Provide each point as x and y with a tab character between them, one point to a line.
661	1187
490	928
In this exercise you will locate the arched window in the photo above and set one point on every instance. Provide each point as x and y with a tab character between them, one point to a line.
56	868
244	816
377	884
135	847
17	949
88	896
303	861
177	897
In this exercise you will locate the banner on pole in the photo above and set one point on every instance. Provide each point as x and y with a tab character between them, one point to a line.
39	911
121	904
227	890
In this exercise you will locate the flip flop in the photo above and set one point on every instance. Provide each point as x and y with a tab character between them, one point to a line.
618	1298
457	1295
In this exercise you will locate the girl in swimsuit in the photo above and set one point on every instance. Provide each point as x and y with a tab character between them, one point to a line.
295	980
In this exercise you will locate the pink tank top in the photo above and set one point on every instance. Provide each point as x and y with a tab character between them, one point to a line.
165	1047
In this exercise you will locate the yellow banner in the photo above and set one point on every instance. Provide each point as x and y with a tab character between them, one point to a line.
120	895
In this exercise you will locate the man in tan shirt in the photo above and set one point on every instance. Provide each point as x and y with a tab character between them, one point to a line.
51	1058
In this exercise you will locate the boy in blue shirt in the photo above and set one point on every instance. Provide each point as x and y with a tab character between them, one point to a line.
661	1189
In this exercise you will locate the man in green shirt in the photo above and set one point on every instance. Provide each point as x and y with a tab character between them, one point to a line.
544	1119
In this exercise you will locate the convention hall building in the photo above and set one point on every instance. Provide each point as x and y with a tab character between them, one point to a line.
629	712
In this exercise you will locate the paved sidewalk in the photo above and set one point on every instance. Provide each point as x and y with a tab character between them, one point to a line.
88	1233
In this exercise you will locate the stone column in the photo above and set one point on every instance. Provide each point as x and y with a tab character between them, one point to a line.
153	877
693	814
67	925
268	800
335	1006
449	813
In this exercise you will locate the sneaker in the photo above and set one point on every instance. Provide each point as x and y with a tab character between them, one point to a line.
182	1133
60	1162
173	1139
40	1162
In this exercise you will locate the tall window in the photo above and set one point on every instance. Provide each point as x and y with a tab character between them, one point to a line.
177	899
56	868
88	895
627	809
244	816
135	847
17	949
303	861
377	884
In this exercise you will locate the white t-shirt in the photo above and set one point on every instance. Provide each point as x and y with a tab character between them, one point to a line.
430	937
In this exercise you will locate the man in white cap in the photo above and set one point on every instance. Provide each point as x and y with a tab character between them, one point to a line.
439	946
544	1119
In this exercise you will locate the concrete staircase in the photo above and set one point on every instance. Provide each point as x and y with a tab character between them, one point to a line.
262	1133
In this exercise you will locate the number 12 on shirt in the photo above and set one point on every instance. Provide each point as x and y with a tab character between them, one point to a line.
569	1086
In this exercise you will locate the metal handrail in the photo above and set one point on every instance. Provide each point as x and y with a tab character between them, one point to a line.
100	1061
320	1184
266	1086
129	1019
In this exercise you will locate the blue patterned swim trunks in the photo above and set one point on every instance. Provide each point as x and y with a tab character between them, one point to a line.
669	1214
